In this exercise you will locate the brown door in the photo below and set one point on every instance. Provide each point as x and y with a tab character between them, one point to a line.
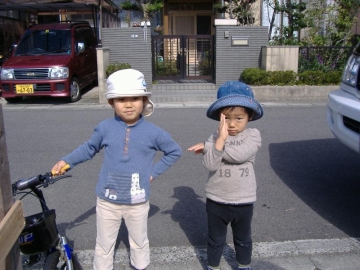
184	25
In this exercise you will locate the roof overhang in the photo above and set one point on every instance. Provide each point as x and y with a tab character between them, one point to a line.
56	6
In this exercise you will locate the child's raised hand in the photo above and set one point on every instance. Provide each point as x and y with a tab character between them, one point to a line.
223	128
222	133
197	148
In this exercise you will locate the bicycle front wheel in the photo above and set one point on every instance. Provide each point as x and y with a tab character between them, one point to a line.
52	262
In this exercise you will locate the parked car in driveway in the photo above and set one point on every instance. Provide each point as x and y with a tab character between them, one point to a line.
343	108
56	60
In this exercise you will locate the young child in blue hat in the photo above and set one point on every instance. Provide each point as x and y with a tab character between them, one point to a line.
229	155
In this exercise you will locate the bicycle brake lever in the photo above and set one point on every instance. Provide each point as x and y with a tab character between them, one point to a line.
52	180
47	180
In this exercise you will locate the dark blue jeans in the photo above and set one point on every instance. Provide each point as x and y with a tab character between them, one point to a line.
219	215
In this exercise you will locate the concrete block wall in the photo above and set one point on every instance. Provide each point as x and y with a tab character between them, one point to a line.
129	45
232	60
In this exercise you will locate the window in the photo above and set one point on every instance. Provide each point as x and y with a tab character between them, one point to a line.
44	41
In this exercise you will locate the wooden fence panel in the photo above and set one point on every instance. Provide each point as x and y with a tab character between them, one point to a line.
12	261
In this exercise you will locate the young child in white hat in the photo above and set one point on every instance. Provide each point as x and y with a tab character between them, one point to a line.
129	143
229	155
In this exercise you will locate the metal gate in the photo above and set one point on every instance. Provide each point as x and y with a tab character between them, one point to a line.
179	57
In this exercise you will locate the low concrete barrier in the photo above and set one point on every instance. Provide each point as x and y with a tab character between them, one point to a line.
305	93
180	93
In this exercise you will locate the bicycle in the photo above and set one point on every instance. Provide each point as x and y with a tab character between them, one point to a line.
40	234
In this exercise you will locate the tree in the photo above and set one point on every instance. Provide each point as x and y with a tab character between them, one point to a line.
147	8
294	11
129	7
238	9
330	24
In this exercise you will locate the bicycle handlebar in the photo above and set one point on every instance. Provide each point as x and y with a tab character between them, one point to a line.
23	184
39	180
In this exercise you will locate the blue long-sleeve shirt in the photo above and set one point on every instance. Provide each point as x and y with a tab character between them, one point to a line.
128	159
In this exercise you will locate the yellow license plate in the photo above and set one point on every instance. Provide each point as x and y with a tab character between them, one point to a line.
24	89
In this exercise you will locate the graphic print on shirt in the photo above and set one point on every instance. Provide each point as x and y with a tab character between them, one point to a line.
111	193
234	143
137	193
124	188
229	172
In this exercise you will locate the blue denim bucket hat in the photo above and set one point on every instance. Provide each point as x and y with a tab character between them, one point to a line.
235	93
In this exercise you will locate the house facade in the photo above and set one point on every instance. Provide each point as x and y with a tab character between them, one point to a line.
187	17
195	17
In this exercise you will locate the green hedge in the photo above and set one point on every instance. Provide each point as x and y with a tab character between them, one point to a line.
256	76
166	68
110	69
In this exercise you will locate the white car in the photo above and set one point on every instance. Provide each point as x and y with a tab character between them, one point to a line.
343	108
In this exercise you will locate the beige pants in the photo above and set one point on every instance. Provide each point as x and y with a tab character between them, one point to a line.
108	221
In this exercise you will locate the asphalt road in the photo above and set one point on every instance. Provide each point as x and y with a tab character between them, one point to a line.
308	183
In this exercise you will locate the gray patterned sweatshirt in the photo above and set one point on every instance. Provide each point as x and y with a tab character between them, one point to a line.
231	171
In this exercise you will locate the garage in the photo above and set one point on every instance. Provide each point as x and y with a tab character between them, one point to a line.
17	15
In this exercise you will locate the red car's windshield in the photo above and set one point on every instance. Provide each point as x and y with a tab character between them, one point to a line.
35	42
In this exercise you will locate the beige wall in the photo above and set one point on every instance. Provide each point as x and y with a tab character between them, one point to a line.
102	55
257	12
280	58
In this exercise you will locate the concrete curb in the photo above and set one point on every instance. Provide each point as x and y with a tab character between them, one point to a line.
278	254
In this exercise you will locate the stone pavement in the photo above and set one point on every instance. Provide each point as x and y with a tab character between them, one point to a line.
289	255
311	254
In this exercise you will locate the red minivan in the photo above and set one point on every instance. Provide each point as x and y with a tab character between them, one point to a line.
56	60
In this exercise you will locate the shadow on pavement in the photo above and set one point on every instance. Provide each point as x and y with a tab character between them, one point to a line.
264	265
325	175
122	235
62	227
190	213
123	232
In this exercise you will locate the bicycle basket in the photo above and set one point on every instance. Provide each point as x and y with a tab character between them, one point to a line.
39	233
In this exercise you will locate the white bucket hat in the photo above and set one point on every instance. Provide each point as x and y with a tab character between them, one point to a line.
129	83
